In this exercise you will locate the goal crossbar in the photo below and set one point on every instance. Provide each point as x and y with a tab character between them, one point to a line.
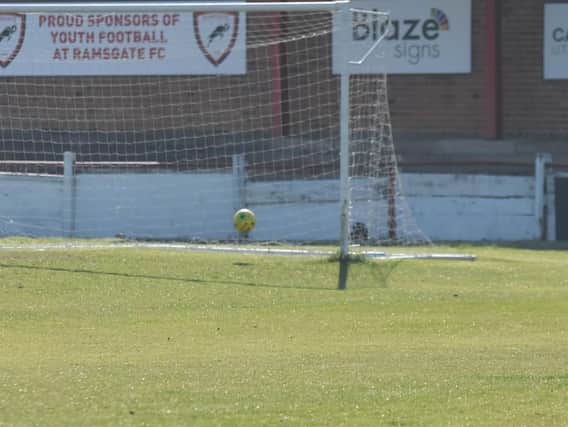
81	7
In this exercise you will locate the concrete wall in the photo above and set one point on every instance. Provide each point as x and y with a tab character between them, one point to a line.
473	207
168	205
31	205
154	205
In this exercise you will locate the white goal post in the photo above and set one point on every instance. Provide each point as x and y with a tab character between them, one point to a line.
241	104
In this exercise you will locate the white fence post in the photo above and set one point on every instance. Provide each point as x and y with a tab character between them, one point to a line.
69	194
542	159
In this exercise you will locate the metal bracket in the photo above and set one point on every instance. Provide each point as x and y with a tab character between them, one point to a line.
386	17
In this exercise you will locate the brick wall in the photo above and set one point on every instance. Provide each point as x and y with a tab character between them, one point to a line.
455	104
532	106
443	104
426	105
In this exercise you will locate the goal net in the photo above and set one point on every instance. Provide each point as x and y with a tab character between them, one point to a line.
154	124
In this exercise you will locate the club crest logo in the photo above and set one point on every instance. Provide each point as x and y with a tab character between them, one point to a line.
216	34
12	30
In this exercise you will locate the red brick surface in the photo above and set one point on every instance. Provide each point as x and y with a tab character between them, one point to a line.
443	117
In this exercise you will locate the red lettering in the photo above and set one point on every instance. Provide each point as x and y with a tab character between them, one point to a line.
58	21
170	20
123	20
60	54
106	54
71	37
157	52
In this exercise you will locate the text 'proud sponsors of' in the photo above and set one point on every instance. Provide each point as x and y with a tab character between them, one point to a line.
124	44
420	37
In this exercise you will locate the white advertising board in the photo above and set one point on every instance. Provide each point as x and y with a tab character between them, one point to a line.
122	44
556	41
423	37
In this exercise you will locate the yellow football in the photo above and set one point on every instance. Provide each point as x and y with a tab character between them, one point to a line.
244	220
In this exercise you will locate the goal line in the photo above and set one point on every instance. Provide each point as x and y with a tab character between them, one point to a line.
236	249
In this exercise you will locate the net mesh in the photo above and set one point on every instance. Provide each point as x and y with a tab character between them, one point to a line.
173	156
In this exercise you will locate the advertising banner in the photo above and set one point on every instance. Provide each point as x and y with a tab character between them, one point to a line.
122	44
422	37
556	41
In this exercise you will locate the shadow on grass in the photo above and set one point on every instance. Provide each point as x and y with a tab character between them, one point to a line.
165	278
384	270
380	271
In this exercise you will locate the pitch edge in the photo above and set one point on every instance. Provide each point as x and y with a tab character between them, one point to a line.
377	255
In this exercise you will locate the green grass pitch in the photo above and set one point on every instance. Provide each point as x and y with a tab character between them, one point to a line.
112	337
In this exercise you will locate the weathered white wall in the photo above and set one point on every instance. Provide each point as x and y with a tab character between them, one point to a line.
31	205
155	205
473	207
295	210
184	205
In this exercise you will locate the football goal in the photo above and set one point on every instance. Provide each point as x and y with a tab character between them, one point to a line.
160	120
